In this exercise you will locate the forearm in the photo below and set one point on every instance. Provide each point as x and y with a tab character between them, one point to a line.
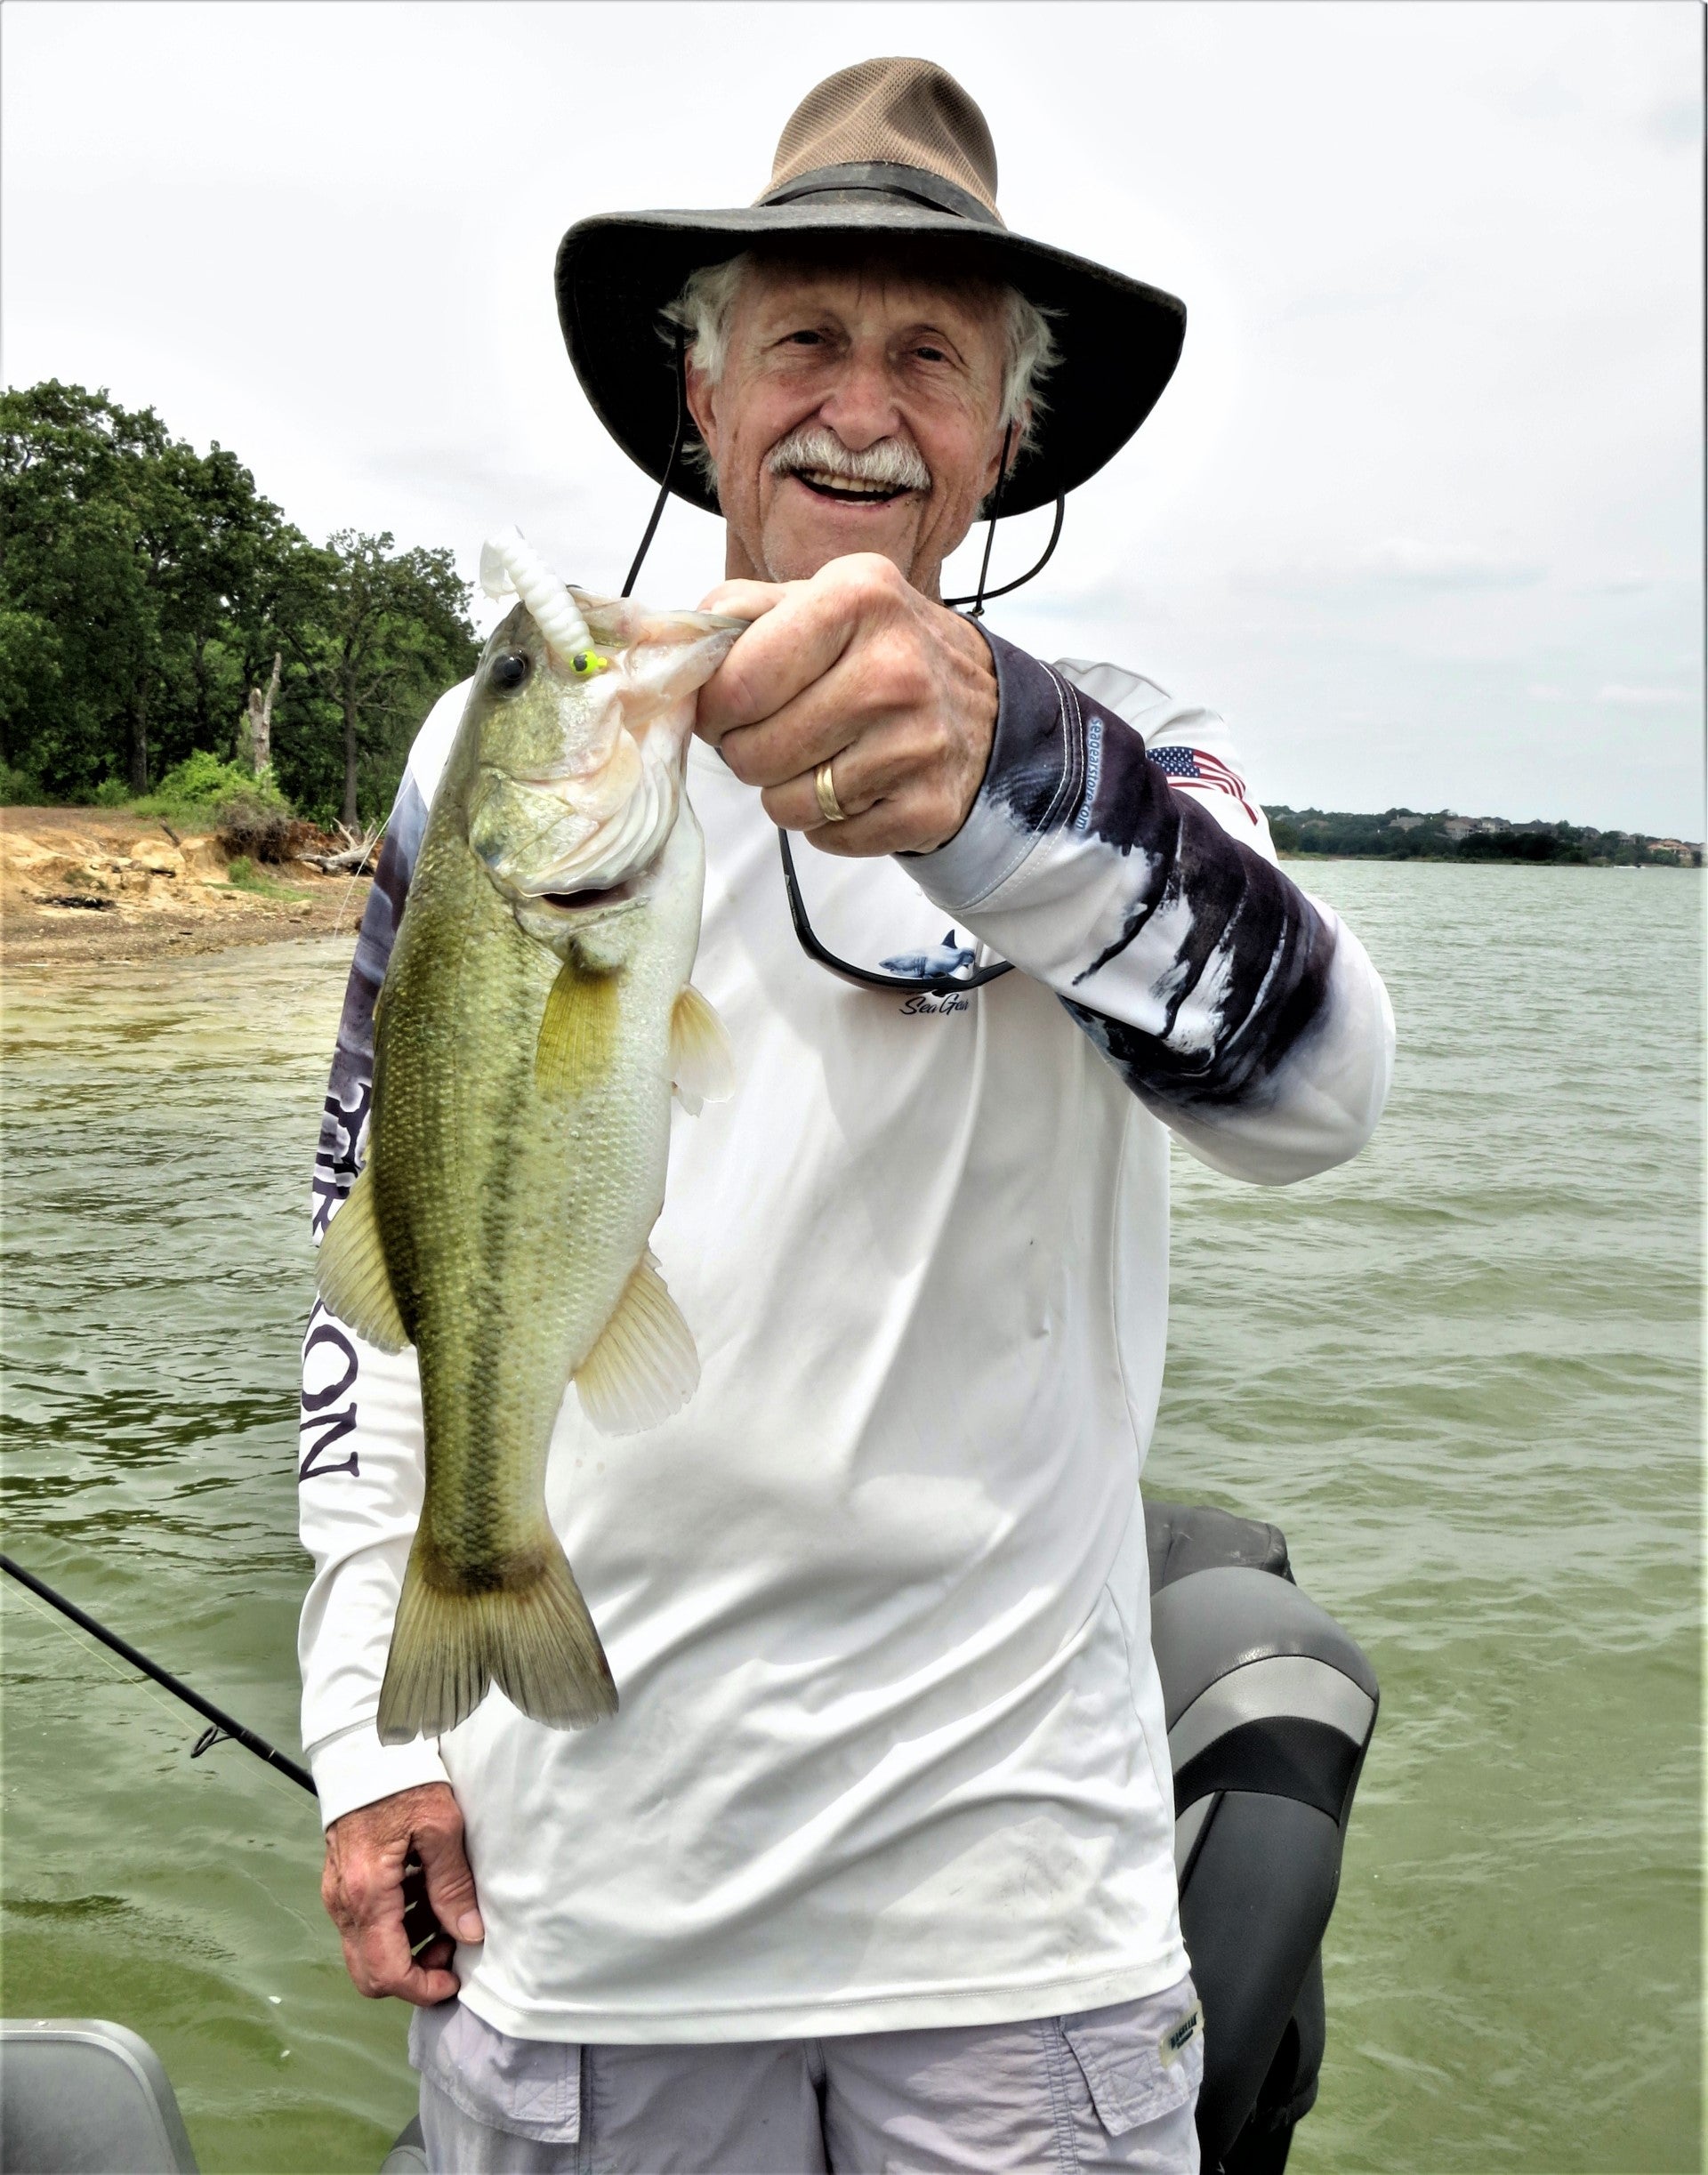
362	1477
1245	1015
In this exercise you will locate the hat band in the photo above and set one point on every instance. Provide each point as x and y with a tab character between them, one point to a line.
886	178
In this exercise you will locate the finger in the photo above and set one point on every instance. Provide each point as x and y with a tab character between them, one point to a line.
428	1989
859	786
856	701
886	759
743	600
369	1910
423	1984
907	822
450	1884
376	1947
795	643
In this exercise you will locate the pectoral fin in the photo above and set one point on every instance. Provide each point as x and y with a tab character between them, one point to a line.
575	1034
644	1366
701	1064
352	1277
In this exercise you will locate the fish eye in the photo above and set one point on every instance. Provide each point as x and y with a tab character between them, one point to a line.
509	671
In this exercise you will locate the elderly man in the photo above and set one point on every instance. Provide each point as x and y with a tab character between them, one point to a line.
874	1868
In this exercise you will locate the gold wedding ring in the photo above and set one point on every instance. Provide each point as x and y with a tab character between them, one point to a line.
829	807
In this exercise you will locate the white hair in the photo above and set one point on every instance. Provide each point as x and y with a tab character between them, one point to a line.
707	302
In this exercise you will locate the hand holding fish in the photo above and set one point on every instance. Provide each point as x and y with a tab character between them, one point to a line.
855	682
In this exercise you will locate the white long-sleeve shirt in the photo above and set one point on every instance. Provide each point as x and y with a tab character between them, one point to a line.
891	1748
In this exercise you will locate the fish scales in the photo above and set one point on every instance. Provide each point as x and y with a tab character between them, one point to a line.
527	1038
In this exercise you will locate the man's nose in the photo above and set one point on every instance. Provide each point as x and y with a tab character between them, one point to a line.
860	407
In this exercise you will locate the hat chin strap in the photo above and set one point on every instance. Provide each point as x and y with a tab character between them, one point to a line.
670	465
976	600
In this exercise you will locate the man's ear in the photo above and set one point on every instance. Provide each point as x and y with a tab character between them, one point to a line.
702	403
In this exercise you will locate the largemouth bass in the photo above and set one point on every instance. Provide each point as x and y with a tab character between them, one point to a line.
535	1018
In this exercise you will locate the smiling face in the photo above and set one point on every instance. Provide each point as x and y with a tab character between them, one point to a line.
859	409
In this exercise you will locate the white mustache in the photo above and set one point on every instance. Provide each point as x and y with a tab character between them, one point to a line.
890	465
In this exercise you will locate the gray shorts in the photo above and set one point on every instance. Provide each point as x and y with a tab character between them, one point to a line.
1106	2088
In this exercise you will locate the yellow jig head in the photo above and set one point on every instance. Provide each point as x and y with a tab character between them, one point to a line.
585	663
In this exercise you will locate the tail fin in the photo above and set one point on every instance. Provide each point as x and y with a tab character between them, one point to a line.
535	1641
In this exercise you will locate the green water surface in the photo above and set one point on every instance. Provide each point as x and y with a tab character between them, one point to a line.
1462	1373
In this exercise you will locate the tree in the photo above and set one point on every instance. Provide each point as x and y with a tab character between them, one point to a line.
128	566
388	632
146	589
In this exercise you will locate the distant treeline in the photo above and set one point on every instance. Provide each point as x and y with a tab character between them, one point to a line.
145	589
1405	834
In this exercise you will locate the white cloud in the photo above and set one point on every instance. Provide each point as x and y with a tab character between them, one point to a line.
1644	698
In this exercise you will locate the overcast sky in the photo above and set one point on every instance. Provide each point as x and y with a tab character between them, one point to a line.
1421	513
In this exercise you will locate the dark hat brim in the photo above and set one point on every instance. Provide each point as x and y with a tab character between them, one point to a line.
1118	339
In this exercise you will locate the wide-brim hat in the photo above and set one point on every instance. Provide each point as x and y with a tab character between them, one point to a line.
891	147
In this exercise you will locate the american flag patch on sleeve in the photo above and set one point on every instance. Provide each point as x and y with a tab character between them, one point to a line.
1191	766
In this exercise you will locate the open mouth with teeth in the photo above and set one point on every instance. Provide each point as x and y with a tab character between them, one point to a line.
847	490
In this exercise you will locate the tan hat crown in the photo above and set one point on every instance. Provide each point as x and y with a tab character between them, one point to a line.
891	112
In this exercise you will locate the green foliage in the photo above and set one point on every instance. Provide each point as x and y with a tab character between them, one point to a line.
19	789
1405	834
242	875
202	780
145	588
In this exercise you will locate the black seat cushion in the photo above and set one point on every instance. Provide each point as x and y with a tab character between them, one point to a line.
1181	1538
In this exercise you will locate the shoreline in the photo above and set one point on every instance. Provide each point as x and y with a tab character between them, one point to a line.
102	886
143	892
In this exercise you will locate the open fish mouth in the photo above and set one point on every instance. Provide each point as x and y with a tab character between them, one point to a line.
577	902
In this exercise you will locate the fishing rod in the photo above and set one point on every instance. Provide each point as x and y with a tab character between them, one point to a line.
420	1925
224	1725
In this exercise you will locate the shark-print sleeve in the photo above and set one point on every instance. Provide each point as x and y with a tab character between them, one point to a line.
343	1121
1245	1014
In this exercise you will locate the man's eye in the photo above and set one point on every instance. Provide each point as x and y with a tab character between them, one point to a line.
930	354
805	339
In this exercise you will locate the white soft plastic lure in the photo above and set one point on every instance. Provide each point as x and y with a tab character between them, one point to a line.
510	567
630	817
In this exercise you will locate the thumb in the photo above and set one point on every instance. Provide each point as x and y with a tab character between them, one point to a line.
450	1884
744	600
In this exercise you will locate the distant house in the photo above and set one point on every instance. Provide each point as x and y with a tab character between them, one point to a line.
1460	827
1681	850
1492	823
1406	823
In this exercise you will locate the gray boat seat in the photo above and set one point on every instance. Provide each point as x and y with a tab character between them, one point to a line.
1270	1707
408	2155
1181	1538
81	2097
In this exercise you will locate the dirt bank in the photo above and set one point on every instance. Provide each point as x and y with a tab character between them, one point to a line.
92	883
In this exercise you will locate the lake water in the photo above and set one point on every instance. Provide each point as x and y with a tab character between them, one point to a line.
1462	1373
